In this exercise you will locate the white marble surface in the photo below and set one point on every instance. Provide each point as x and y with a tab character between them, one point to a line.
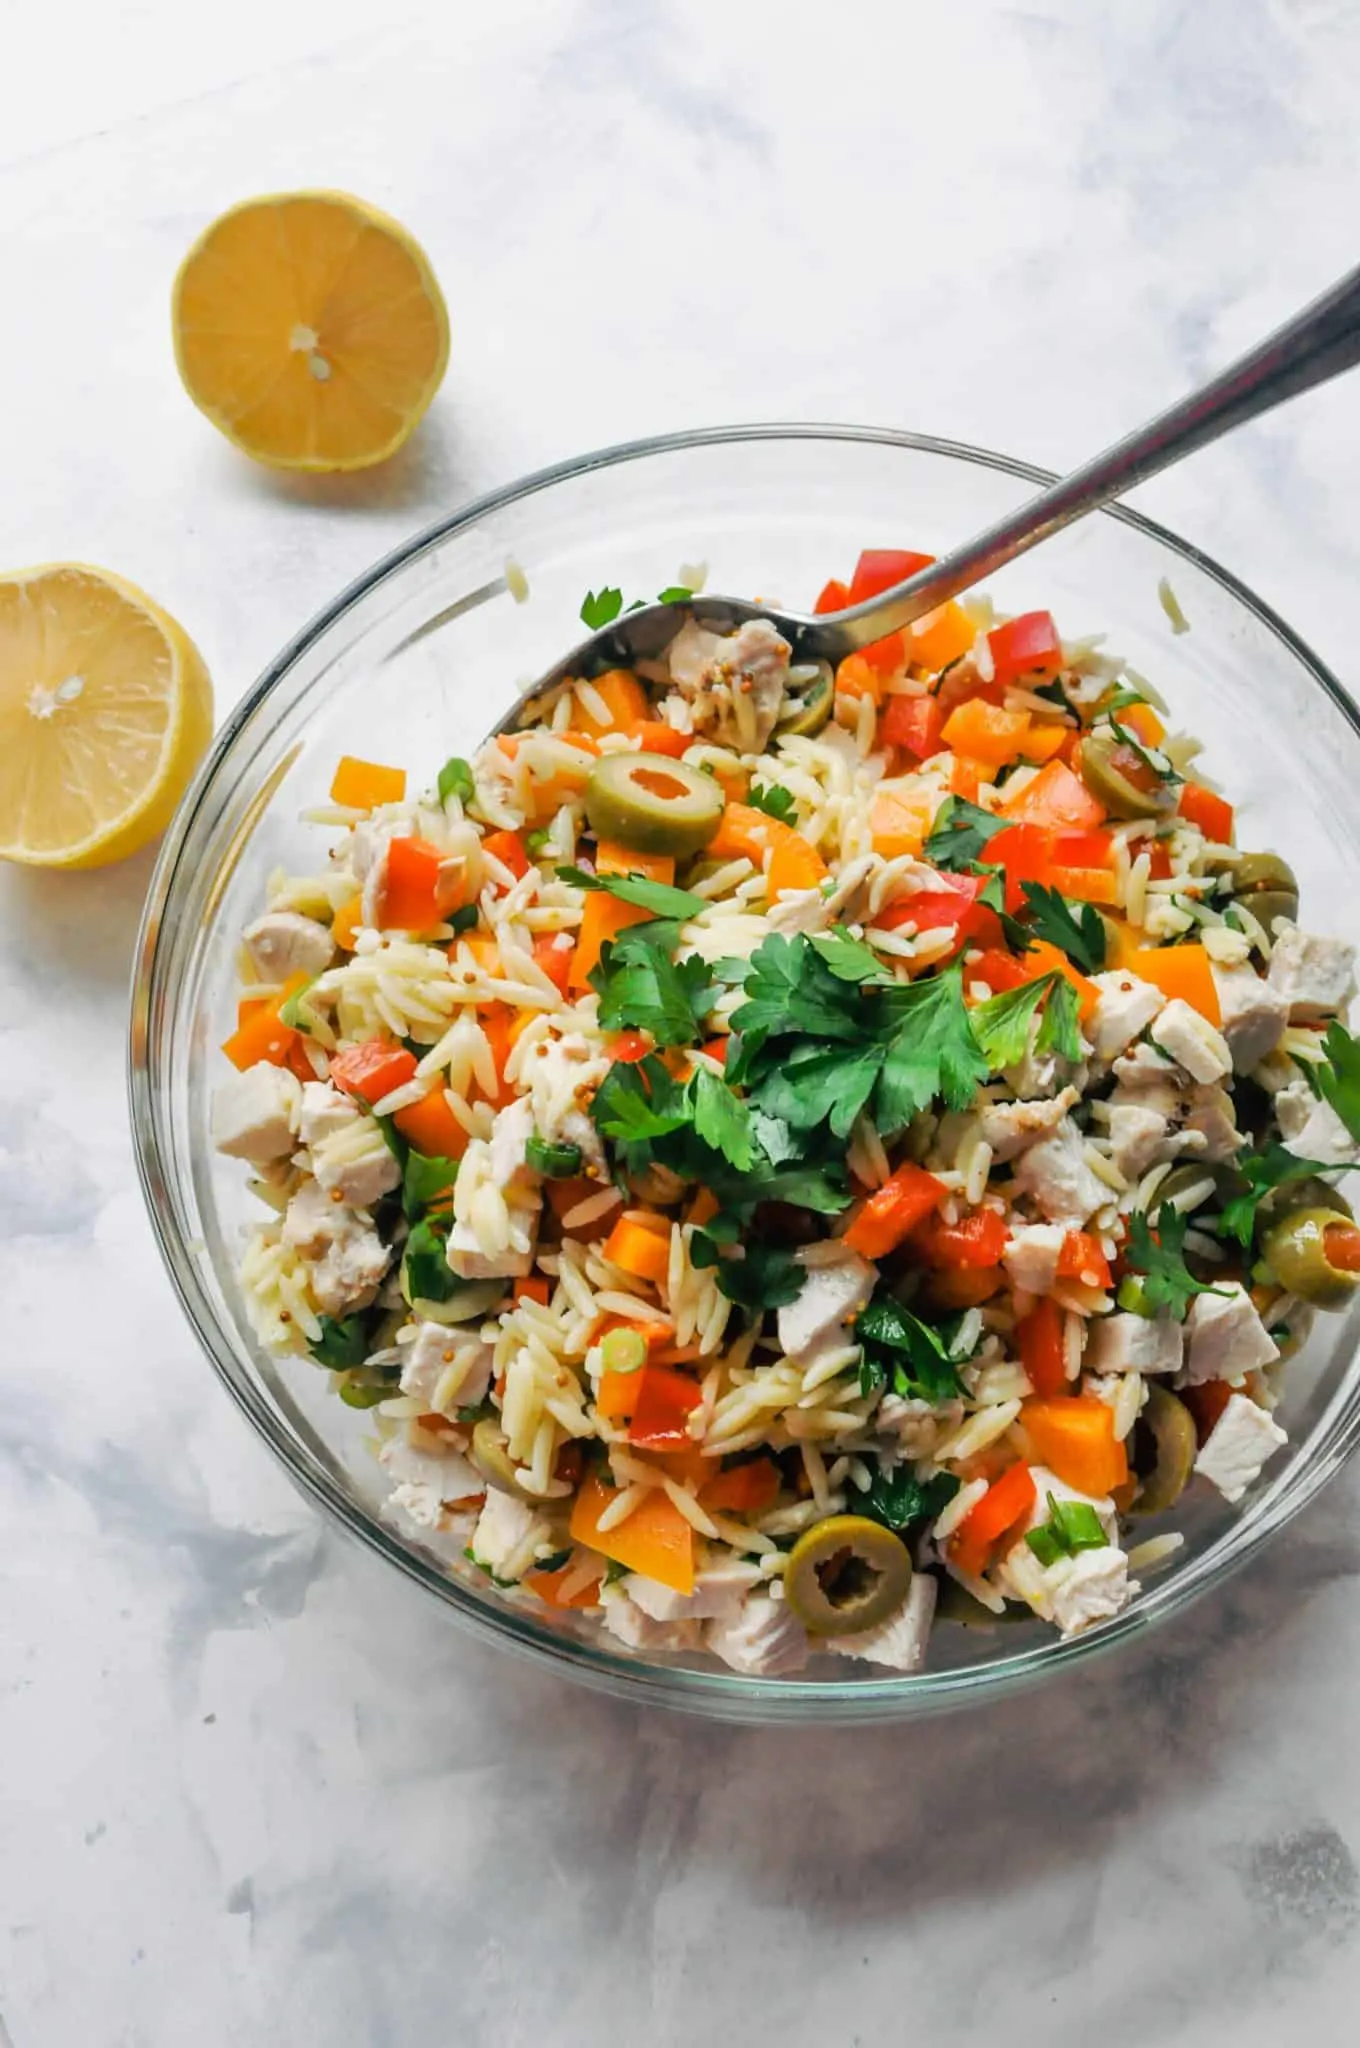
254	1790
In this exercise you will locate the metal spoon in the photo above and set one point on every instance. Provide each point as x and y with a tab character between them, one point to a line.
1316	344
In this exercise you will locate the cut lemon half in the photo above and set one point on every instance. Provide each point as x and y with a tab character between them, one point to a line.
310	328
105	710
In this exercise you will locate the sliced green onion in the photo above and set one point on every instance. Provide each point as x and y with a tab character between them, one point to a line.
555	1162
292	1012
623	1351
1045	1544
1132	1295
535	841
464	919
359	1394
455	779
1079	1524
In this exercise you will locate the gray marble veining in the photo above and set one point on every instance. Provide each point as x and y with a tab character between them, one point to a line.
255	1789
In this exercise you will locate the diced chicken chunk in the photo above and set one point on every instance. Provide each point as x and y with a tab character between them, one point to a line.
430	1486
434	1351
719	1592
1209	1130
1095	1585
467	1259
510	1535
1125	1008
561	1075
1254	1014
1031	1256
510	1134
345	1256
1009	1126
1055	1175
1314	976
1225	1338
356	1163
638	1630
839	1283
899	1643
765	1639
1137	1138
1312	1129
1192	1042
1238	1446
282	942
324	1111
733	682
255	1114
1130	1343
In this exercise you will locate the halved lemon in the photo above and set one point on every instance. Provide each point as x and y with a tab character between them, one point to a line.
105	710
310	328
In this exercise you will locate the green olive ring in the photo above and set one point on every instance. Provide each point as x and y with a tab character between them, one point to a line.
845	1575
1167	1425
1098	760
1292	1195
804	715
1265	885
652	804
1295	1249
489	1454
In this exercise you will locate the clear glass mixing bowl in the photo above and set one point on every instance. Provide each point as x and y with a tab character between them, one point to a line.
421	656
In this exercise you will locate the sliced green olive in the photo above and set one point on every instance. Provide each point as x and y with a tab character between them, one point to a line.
1292	1195
1266	885
1164	1452
845	1575
1179	1182
490	1456
653	804
955	1603
804	716
1116	774
1313	1253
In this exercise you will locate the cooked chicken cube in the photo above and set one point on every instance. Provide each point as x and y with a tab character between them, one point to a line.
431	1488
510	1536
1138	1136
1009	1126
283	943
324	1111
1238	1445
1192	1042
1131	1343
1209	1120
345	1256
467	1259
1094	1586
1055	1174
1316	977
356	1163
1048	1488
719	1592
1125	1008
838	1284
1254	1014
255	1114
434	1352
899	1643
1225	1338
510	1135
735	682
765	1639
637	1630
1031	1256
1312	1128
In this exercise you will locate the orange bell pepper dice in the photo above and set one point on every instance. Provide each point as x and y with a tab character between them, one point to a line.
1073	1434
656	1540
261	1034
432	1127
1001	1508
893	1211
1058	799
372	1070
361	785
1039	1340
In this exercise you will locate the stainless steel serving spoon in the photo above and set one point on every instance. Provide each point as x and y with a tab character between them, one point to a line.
1316	344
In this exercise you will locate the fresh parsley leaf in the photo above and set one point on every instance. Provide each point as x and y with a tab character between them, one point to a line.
789	990
993	895
1273	1168
1338	1081
1168	1283
425	1271
900	1497
1059	1031
1075	929
1001	1025
674	593
903	1352
343	1342
776	801
659	898
601	607
455	779
721	1119
636	1103
425	1178
931	1052
641	987
850	959
757	1277
1121	699
819	1081
464	919
960	832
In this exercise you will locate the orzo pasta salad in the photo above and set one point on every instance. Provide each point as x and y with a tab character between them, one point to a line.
788	1157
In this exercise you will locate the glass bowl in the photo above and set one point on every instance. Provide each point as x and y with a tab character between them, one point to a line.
419	658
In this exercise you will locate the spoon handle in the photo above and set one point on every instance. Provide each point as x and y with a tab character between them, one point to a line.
1318	343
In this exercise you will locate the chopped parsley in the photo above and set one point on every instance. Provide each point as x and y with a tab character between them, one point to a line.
425	1271
1263	1172
912	1358
601	607
899	1498
775	801
343	1342
1167	1281
424	1180
960	832
1338	1080
1075	929
1002	1024
755	1276
641	987
658	898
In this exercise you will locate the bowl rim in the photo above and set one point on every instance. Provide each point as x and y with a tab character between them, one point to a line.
717	1693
